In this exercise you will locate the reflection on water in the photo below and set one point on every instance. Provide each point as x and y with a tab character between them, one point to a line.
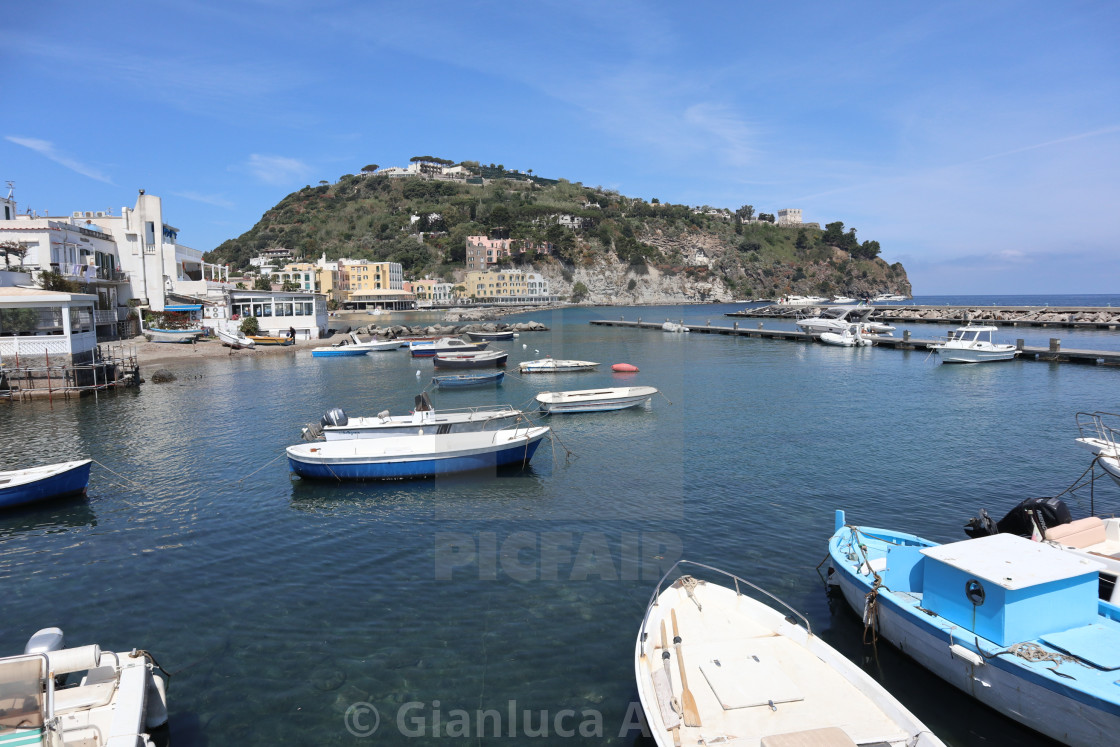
282	602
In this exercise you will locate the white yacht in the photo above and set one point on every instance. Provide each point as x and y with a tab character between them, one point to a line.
802	300
973	344
835	319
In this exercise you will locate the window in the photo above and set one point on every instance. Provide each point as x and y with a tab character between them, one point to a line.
38	320
81	319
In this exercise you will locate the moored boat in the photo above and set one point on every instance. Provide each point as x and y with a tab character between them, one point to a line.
595	400
337	351
674	327
34	484
423	420
973	344
408	457
470	359
1100	434
463	381
1013	623
171	335
491	336
555	365
118	701
428	349
742	671
851	336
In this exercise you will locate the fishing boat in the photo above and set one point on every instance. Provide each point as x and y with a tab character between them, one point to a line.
850	336
271	340
742	671
428	349
235	339
491	336
973	344
423	420
1100	434
555	365
595	400
416	456
118	700
463	381
1015	624
20	486
471	359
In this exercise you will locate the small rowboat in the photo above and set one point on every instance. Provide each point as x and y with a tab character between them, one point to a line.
35	484
235	339
463	381
745	670
595	400
491	336
269	340
446	345
341	351
554	365
172	335
479	359
407	457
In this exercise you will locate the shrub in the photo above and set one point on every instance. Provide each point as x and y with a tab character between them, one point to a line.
250	326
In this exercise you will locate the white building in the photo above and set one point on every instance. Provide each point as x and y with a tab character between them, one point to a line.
277	312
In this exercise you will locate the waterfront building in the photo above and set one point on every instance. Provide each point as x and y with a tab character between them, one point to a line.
278	311
320	276
507	286
363	277
432	292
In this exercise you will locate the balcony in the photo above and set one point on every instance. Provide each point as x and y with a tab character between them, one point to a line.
110	316
89	273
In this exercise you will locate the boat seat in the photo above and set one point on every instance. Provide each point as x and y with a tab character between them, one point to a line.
83	697
830	736
1080	534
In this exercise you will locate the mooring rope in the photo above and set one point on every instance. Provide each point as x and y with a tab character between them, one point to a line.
130	482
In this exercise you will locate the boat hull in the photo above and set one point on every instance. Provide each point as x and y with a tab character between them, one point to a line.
965	355
593	401
160	335
429	423
484	361
340	352
56	481
490	336
233	341
465	381
357	463
1026	694
555	366
265	340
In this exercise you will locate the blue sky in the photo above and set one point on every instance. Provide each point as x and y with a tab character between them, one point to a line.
979	143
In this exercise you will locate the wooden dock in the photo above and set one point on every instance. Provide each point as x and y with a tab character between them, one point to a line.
1054	353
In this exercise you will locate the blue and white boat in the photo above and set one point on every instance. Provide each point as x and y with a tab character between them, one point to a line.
463	381
470	359
407	457
430	348
1015	624
21	486
424	419
332	351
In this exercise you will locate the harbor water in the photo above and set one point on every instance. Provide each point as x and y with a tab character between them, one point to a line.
295	612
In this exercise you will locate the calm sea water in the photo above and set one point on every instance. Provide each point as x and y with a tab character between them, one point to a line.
279	604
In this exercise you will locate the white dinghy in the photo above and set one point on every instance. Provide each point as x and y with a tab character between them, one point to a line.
737	671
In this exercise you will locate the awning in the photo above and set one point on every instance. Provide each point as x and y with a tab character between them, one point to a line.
184	307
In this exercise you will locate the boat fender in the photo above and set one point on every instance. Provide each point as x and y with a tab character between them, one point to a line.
155	710
965	654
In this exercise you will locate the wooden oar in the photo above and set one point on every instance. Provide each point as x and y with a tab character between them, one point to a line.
672	719
688	702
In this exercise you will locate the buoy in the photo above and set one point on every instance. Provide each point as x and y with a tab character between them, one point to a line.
418	374
523	346
624	368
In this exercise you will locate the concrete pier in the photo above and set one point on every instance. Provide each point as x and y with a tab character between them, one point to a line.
1070	317
1054	352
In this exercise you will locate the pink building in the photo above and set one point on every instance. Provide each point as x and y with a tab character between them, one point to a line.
483	252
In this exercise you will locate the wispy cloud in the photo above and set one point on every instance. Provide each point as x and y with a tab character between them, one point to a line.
215	200
276	170
46	149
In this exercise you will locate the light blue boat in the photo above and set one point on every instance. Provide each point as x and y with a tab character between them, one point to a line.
21	486
463	381
1015	624
407	457
338	352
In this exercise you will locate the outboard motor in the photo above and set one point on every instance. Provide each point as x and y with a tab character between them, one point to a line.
312	431
334	417
423	402
45	641
1050	512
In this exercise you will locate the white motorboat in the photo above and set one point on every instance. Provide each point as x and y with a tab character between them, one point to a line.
802	300
373	345
888	298
674	327
595	400
424	420
555	365
740	671
843	300
119	700
973	344
834	319
1100	434
850	337
234	338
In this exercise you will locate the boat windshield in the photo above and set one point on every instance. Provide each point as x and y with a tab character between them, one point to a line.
21	694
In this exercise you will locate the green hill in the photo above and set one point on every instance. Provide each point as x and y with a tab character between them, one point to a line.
371	217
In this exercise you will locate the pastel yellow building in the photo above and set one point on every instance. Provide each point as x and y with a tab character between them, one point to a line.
310	276
506	286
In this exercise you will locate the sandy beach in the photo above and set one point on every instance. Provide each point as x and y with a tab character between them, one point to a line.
153	356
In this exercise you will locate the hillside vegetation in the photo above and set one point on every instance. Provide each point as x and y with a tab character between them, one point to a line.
627	249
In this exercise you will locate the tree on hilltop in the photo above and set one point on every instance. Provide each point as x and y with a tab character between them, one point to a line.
369	169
